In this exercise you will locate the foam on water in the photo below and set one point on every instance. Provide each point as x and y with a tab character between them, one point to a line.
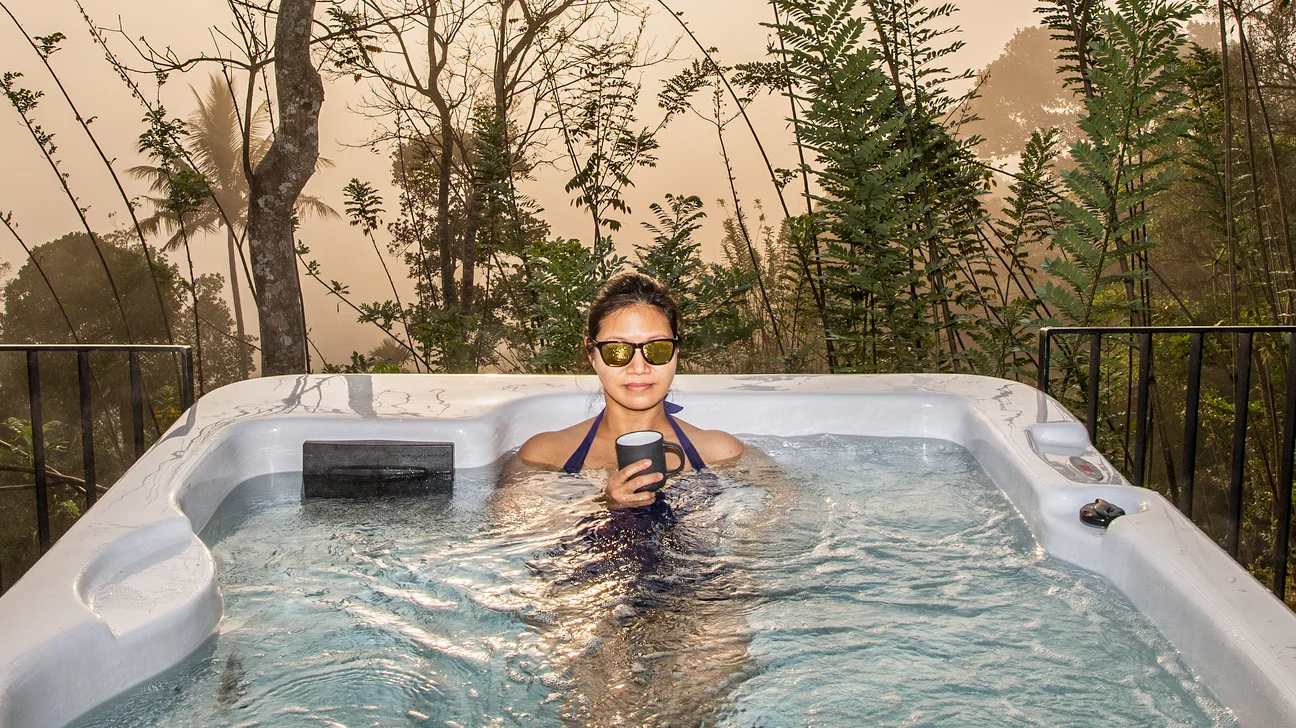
862	581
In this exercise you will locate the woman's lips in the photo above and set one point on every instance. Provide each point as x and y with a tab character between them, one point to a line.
639	386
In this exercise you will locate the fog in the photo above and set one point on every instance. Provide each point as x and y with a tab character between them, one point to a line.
689	161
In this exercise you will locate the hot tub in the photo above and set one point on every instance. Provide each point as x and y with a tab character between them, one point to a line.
131	590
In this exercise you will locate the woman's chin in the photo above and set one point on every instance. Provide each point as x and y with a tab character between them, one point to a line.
639	400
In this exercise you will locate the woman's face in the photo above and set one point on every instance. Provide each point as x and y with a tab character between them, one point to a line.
638	385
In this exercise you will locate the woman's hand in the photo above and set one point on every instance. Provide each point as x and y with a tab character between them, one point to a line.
623	483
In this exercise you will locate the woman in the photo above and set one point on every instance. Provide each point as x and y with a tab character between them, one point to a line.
640	618
632	340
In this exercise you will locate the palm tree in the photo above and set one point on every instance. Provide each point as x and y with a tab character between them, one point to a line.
214	140
390	352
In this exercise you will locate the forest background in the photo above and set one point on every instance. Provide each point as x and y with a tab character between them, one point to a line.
867	206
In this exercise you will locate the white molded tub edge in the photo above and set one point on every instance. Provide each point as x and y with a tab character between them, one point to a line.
130	590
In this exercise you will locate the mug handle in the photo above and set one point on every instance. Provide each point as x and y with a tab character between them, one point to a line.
679	452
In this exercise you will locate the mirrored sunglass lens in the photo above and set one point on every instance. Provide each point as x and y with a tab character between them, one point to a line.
659	352
617	354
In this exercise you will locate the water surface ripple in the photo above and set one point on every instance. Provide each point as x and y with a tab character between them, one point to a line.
862	581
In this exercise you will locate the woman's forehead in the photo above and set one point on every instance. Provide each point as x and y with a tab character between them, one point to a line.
635	320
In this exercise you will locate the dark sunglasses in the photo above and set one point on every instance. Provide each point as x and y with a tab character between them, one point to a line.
619	353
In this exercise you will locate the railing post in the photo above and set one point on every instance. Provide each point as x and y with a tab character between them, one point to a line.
1282	529
137	403
86	387
186	380
1141	419
1043	383
38	450
1192	406
87	428
1237	473
1095	366
1144	423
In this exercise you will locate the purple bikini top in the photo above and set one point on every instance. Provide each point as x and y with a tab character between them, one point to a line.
577	459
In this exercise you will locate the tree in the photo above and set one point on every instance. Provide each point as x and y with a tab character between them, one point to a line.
566	277
1123	161
469	94
213	137
1021	92
30	314
600	123
276	183
712	298
897	216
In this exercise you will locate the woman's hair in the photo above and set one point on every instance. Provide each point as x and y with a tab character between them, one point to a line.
631	289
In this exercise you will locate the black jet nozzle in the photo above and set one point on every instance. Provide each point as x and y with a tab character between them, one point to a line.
1100	513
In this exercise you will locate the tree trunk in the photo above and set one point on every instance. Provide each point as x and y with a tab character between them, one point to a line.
275	186
193	291
445	238
244	354
470	253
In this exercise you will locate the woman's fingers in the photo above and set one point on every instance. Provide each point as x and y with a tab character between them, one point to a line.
625	490
649	482
622	485
628	471
644	481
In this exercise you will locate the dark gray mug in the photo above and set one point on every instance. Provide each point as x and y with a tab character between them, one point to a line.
648	445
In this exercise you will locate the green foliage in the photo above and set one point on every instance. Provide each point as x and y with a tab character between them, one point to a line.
363	205
899	191
1075	25
603	125
849	122
565	276
29	313
1124	160
1028	212
16	442
673	257
486	209
454	342
186	189
677	92
363	364
1203	119
25	101
1005	336
48	44
711	297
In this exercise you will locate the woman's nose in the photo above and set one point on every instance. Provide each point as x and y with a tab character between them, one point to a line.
638	364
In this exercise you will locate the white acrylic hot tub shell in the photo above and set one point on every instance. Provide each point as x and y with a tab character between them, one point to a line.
130	590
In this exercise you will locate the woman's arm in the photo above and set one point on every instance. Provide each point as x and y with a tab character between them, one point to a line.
541	450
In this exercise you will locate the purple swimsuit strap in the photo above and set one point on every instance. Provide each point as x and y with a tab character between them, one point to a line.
577	459
689	451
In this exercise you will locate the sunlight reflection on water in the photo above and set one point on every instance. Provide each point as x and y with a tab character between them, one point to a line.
895	586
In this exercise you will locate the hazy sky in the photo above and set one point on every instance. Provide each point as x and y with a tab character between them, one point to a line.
689	161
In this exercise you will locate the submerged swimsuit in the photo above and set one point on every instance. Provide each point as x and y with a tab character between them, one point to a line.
577	459
647	553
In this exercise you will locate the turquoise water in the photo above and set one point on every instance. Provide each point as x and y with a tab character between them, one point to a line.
854	581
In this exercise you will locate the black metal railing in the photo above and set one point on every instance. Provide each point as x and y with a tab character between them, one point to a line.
40	471
1187	471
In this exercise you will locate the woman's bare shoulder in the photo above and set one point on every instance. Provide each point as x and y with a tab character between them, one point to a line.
551	449
715	446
